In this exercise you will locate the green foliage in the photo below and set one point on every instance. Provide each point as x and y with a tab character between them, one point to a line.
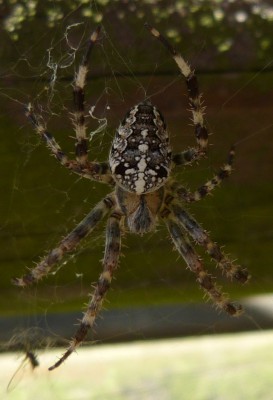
222	27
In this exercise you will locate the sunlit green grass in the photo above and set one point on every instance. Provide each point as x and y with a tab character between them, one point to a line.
224	367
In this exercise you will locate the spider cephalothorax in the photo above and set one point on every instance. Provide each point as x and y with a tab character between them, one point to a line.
139	167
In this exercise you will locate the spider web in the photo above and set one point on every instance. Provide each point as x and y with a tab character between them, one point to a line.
66	198
63	199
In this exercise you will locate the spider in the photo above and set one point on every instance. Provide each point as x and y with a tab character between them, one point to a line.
139	169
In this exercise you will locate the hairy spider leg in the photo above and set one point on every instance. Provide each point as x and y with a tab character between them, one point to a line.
230	269
193	261
209	186
196	108
78	117
98	171
67	244
187	157
110	262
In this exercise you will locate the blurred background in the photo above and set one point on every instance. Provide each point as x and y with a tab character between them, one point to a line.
230	46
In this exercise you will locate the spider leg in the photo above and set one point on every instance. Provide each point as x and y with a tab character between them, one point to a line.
197	110
187	157
230	269
78	118
209	186
193	261
91	170
110	262
67	244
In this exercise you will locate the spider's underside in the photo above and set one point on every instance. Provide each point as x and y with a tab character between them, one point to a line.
139	168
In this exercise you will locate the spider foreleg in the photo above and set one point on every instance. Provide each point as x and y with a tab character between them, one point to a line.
78	117
110	262
197	110
209	186
193	261
91	170
67	244
229	268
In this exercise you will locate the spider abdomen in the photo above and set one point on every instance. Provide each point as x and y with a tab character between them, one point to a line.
140	156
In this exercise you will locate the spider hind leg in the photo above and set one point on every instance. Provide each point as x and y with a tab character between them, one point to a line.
67	244
110	262
229	268
193	261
